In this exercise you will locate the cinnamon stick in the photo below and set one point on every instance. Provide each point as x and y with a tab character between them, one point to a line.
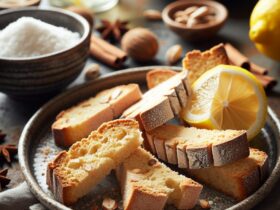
258	69
267	81
106	52
237	58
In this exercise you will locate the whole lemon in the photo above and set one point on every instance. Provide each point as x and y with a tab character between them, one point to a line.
265	27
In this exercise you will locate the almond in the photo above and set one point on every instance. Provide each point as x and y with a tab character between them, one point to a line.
152	14
190	10
204	204
92	72
173	54
200	12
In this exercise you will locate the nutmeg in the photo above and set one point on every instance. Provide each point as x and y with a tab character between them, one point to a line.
84	12
140	44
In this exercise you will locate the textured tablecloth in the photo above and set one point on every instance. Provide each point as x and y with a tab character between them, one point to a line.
19	197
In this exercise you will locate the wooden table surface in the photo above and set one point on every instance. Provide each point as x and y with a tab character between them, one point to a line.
14	114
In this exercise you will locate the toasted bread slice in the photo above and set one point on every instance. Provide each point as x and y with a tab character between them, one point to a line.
161	103
75	172
239	179
157	76
148	184
197	148
77	122
197	62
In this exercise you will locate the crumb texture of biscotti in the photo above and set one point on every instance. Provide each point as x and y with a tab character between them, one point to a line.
74	173
77	122
157	76
190	147
161	103
147	184
197	62
239	179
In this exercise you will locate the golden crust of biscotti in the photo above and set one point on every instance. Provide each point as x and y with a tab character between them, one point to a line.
68	183
76	123
148	184
197	62
197	148
238	179
141	198
157	76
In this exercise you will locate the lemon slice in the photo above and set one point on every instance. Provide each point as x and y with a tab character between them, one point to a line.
227	97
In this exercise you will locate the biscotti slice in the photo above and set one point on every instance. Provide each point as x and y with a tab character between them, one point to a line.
77	122
239	179
147	184
190	147
197	62
157	76
161	103
75	172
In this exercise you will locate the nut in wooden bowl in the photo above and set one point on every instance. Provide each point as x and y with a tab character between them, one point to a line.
195	20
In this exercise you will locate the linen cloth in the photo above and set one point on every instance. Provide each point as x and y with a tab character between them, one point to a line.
19	198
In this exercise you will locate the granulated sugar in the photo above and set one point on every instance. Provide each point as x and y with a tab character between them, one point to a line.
29	37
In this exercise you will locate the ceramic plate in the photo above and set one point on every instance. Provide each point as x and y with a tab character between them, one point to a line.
37	147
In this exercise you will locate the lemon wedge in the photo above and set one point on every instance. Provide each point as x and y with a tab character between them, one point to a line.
227	97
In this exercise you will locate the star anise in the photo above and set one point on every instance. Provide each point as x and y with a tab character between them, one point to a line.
2	136
112	31
3	179
7	151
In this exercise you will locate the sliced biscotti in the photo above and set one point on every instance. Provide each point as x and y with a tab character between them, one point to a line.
190	147
75	172
157	76
239	179
147	184
161	103
197	62
77	122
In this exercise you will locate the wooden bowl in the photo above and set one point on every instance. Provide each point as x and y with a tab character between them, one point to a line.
15	4
199	32
28	77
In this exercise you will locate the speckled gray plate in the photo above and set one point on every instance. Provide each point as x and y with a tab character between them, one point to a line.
36	148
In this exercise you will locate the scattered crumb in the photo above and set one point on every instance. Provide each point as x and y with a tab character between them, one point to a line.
204	204
109	204
46	150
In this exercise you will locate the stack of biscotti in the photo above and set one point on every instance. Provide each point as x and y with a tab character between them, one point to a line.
220	158
195	62
161	103
239	179
77	122
190	147
75	172
147	184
